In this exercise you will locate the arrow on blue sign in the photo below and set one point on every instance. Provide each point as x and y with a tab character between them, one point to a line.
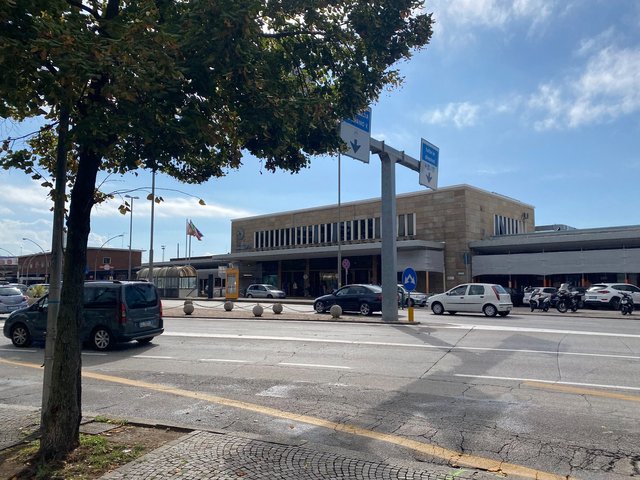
354	145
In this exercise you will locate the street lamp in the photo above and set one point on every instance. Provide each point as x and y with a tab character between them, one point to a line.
95	259
46	271
130	232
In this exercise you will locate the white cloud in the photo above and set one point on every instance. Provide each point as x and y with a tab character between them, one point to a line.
461	115
607	88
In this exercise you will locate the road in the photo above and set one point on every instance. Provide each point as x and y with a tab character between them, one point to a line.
552	394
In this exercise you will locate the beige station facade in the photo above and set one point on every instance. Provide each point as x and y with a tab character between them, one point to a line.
298	250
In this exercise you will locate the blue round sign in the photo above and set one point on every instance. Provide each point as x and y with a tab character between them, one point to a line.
409	279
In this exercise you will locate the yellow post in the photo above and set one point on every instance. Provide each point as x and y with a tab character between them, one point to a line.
410	313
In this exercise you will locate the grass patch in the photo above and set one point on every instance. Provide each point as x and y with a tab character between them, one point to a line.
110	421
95	456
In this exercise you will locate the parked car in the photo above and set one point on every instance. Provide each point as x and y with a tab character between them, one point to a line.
362	298
263	290
516	296
113	312
411	299
487	298
20	286
609	294
545	291
11	299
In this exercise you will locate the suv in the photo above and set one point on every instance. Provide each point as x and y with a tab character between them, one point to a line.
263	290
609	294
113	312
487	298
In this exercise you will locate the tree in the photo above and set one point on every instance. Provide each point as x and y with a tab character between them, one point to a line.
183	87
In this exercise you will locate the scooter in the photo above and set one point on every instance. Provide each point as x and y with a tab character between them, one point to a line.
567	301
626	304
540	302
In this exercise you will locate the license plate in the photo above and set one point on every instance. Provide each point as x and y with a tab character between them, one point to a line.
591	297
146	323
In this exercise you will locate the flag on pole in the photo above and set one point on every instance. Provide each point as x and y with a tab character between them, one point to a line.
193	230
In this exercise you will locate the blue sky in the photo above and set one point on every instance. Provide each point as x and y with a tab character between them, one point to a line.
538	100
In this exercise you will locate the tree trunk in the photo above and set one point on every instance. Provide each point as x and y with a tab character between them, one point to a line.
61	417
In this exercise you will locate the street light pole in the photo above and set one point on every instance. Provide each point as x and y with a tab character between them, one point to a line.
130	233
95	259
46	268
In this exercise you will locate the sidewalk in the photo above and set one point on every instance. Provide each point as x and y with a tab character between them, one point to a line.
202	454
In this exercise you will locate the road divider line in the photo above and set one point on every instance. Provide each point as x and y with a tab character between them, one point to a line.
392	344
583	391
452	457
155	357
223	360
313	365
538	381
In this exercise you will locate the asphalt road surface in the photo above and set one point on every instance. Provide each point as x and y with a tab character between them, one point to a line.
553	394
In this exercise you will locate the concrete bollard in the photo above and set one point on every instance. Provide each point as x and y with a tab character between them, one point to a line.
277	308
188	306
257	310
335	311
228	306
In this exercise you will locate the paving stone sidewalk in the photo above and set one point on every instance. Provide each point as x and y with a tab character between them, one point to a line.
213	455
206	455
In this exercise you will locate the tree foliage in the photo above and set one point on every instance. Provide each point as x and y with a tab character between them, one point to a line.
184	87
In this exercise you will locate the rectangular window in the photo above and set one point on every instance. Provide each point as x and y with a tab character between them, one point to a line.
411	224
376	227
370	231
105	261
401	226
255	239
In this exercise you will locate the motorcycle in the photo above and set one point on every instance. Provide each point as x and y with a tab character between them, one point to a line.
567	301
539	301
626	304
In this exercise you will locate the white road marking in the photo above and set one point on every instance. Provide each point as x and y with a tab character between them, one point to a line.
223	360
499	328
277	391
15	350
154	357
551	382
393	344
313	365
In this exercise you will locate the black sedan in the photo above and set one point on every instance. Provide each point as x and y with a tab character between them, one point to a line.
365	299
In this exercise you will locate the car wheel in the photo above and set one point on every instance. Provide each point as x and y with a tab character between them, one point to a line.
20	336
269	296
490	310
437	308
319	307
503	314
249	295
365	309
615	303
101	339
145	340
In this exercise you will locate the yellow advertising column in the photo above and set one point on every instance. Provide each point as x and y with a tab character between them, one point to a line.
232	288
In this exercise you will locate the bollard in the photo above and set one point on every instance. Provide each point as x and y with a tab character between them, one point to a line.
277	308
335	311
257	310
188	306
228	306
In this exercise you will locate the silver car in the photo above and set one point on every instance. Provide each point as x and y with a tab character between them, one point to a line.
263	290
11	299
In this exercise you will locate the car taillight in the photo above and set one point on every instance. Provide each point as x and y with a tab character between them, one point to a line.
122	320
603	291
495	290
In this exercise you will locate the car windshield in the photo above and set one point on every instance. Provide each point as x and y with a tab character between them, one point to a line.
8	291
593	288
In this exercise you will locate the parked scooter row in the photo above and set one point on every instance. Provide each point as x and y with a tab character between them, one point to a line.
564	301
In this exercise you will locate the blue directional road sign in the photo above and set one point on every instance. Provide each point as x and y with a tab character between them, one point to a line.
356	133
429	160
409	279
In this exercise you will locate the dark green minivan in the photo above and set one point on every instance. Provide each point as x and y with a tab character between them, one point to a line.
113	312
